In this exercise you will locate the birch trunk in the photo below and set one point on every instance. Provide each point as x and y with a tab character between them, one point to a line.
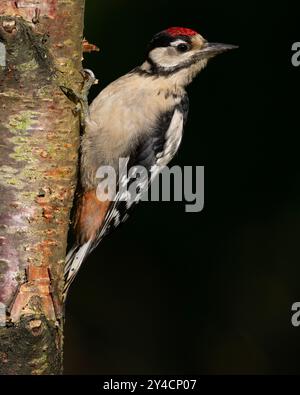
40	50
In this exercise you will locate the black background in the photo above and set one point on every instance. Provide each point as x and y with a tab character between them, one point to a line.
210	292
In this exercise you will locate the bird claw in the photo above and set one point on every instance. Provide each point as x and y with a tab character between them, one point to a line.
89	81
89	78
81	99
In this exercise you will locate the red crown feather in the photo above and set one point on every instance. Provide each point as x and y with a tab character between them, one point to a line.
180	31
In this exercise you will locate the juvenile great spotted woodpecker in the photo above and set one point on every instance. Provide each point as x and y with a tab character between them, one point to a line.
140	116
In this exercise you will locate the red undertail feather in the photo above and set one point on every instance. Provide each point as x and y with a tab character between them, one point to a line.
90	216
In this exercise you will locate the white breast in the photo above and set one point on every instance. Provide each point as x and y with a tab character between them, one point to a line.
121	113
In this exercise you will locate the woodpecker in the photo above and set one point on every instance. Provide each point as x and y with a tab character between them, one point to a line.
140	116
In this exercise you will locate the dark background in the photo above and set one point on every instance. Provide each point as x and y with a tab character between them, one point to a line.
210	292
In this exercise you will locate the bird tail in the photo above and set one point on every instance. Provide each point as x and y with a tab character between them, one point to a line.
74	260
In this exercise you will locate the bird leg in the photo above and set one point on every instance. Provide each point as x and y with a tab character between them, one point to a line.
81	99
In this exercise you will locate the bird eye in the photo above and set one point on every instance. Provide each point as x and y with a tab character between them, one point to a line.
182	48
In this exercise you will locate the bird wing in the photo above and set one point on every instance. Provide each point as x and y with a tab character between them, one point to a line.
153	153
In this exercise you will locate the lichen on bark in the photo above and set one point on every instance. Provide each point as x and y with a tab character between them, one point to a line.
39	140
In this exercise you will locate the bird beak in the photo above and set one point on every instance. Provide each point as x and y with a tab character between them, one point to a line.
212	49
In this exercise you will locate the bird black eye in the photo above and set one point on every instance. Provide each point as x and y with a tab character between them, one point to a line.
183	47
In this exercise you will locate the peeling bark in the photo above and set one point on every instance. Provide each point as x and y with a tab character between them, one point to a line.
39	140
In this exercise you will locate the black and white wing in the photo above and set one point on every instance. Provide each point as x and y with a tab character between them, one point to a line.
153	153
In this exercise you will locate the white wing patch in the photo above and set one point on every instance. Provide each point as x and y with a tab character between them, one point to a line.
173	139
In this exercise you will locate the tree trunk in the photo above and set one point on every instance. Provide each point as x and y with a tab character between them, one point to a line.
40	50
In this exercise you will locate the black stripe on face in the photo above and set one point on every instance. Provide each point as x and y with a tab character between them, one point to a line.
165	40
157	70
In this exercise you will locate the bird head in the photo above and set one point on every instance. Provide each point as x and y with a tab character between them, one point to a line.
176	49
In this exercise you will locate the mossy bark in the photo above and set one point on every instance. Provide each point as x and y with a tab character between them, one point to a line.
39	140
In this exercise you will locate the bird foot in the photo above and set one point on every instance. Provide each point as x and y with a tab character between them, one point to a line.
81	99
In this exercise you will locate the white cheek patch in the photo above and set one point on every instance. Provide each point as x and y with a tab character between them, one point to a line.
164	57
168	57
